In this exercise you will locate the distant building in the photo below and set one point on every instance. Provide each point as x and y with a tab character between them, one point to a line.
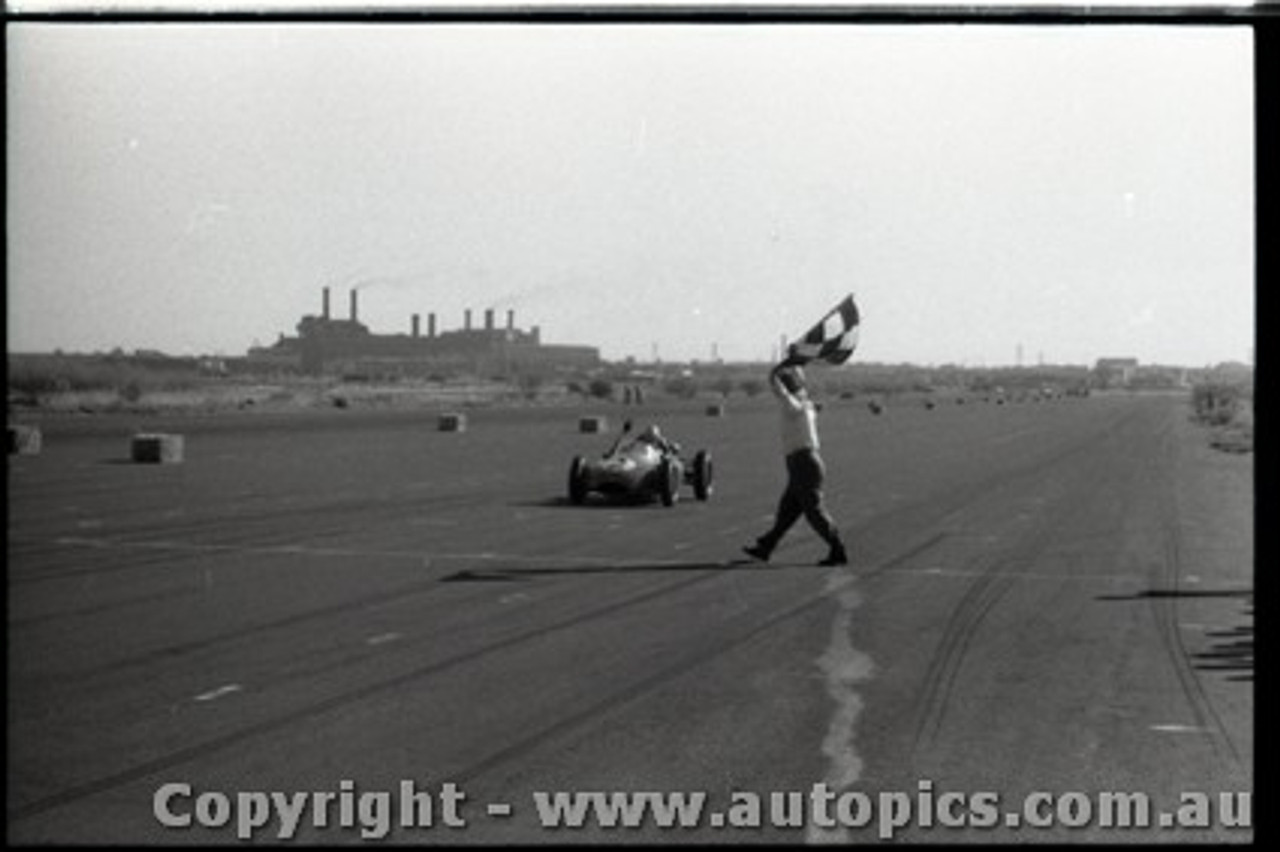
1114	372
325	344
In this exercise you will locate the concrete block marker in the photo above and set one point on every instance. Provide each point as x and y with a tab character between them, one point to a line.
593	424
716	409
24	440
452	422
157	448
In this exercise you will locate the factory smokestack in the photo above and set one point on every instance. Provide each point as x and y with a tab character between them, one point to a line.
488	319
466	325
431	325
355	304
511	320
325	312
417	327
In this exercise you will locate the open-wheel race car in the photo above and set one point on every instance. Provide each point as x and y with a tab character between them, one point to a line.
647	466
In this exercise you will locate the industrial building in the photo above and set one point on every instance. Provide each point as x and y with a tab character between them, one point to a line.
326	344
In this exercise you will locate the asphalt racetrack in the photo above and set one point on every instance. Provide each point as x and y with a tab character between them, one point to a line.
1051	597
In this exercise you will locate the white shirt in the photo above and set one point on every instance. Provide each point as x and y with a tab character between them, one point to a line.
799	419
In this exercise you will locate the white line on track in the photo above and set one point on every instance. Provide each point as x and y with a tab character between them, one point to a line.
1180	729
1012	435
382	639
215	694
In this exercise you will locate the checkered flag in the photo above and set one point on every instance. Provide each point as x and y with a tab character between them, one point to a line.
832	339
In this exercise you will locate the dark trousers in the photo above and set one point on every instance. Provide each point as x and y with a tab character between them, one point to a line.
803	496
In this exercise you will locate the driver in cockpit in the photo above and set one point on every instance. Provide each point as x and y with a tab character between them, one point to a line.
653	436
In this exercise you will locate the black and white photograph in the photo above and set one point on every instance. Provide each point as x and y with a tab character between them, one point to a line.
467	429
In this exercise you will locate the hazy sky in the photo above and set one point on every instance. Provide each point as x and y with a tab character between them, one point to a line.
1081	191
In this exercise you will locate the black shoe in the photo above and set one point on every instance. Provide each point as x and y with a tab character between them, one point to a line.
836	557
757	551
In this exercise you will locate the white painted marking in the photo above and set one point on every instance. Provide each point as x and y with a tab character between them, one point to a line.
1179	729
1191	578
215	694
514	597
1004	438
498	809
843	668
382	639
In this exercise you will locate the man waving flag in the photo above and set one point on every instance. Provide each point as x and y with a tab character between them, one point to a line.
832	339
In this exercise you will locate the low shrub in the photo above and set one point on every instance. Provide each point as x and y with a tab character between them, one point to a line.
1216	404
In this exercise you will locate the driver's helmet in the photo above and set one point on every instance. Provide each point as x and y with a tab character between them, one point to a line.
651	435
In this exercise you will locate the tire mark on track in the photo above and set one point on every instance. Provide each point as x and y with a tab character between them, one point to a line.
1165	610
399	593
266	726
147	768
994	580
636	690
98	609
962	626
232	531
278	722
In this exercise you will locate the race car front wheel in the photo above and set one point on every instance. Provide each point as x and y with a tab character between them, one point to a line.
669	482
578	481
702	475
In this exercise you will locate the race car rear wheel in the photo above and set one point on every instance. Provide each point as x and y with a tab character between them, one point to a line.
703	474
578	481
669	482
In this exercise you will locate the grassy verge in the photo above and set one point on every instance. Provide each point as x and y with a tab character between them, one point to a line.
1227	410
